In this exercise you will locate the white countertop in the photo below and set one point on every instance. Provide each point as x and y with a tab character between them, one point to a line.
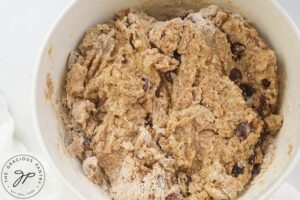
24	25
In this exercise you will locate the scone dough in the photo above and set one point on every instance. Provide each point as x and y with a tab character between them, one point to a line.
177	109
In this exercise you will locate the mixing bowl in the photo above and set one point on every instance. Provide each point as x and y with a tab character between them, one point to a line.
267	16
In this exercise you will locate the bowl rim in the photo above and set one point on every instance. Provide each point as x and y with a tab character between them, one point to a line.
36	124
264	195
279	181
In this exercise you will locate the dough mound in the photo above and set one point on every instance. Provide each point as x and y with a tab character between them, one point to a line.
177	109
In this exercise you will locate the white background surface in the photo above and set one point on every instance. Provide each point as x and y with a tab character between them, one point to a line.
23	27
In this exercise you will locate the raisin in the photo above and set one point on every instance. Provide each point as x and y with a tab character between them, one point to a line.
87	140
266	83
131	40
169	76
173	196
124	61
157	91
252	159
148	119
152	45
237	170
263	102
146	85
242	130
235	74
256	169
263	136
177	56
248	90
237	49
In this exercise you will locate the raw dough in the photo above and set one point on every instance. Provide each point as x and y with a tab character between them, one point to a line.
177	109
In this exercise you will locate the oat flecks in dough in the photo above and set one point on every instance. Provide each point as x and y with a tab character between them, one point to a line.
177	109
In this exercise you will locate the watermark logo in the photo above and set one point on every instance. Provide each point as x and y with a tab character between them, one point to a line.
23	176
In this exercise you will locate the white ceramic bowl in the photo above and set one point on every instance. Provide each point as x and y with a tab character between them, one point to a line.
267	16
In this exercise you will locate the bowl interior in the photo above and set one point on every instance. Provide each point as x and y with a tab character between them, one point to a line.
274	26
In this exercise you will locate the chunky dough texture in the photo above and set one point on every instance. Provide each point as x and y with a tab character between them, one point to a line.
177	109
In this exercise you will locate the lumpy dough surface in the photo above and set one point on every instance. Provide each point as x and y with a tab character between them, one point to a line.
177	109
